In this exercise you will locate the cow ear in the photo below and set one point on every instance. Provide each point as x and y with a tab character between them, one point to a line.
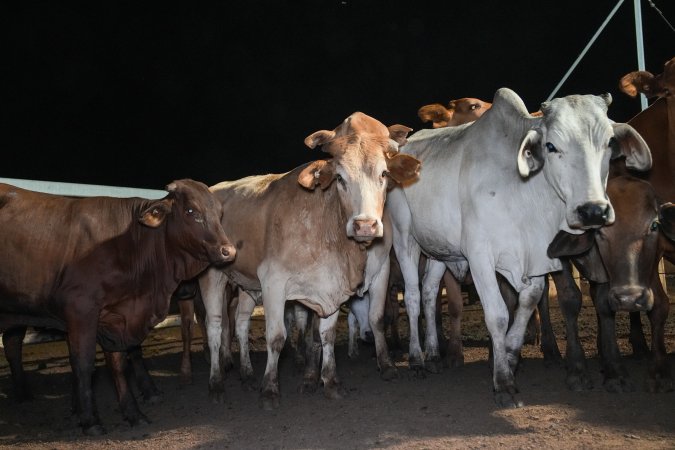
628	142
403	168
639	82
530	154
437	114
667	220
568	244
154	215
399	133
317	173
319	138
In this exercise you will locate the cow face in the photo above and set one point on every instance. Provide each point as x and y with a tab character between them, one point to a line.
630	248
458	112
193	219
627	251
365	162
642	82
573	147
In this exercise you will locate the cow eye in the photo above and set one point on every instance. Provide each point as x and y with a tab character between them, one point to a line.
551	148
385	173
341	180
196	215
654	226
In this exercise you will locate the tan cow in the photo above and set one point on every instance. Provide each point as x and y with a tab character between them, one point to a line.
297	242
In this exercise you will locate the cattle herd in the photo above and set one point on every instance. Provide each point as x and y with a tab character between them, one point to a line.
493	195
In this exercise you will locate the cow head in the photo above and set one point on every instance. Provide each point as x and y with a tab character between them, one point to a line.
573	145
458	112
642	82
193	220
628	250
365	161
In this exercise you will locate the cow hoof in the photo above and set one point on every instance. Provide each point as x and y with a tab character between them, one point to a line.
418	372
508	400
153	399
579	382
434	365
659	385
249	383
185	380
619	385
217	397
93	430
269	401
389	373
455	361
334	390
141	419
226	363
308	386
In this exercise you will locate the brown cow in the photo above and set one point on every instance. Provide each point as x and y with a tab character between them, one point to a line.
103	270
458	112
620	262
301	243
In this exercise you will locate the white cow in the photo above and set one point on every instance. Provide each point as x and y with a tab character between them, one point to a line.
491	197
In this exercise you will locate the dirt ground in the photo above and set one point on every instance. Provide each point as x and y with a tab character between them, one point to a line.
454	409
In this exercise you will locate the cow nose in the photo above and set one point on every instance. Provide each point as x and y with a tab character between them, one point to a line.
365	227
592	214
632	298
228	252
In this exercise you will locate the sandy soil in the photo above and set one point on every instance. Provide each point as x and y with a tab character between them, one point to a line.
454	409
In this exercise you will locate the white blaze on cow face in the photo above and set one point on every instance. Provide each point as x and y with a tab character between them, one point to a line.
361	177
575	148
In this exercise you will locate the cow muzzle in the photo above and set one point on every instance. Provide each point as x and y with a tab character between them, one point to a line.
631	298
222	254
365	229
594	215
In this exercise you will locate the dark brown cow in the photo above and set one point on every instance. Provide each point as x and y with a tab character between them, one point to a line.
103	270
458	112
620	261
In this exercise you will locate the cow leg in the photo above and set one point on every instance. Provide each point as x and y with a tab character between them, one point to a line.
408	255
12	341
359	324
243	322
378	307
200	315
432	279
497	321
212	286
301	316
637	336
527	302
453	292
332	388
549	345
615	375
391	317
275	334
117	362
659	376
569	300
151	394
81	339
187	314
312	342
352	334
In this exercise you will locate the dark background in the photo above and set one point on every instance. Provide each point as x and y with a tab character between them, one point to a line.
138	94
